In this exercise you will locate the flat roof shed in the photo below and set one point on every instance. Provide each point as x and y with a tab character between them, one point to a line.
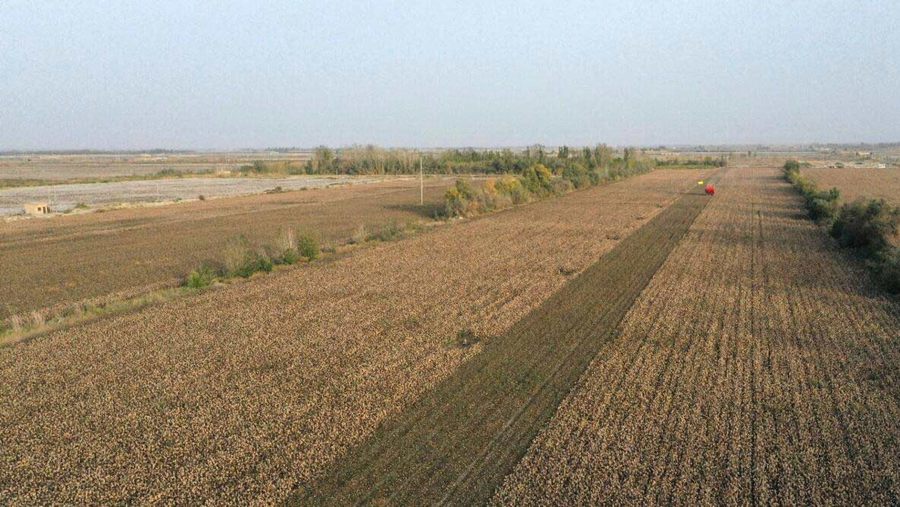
37	208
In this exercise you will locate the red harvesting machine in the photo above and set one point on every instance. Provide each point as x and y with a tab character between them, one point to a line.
710	190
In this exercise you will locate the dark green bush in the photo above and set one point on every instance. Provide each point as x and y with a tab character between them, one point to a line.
823	206
887	268
241	259
253	262
290	256
868	225
538	180
822	209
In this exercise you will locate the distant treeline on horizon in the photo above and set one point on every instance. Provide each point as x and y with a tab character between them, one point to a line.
293	149
370	160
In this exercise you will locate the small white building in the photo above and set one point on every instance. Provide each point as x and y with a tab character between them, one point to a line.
37	208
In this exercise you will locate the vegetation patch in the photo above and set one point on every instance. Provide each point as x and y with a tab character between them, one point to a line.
868	226
204	276
308	247
538	181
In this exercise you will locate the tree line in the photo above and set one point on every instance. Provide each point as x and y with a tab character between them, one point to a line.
372	160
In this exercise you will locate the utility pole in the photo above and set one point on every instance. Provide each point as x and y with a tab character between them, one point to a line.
421	184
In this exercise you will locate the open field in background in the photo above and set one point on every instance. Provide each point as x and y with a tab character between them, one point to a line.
252	390
759	366
858	183
70	258
63	198
98	166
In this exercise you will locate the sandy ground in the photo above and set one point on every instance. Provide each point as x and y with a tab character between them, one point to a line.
65	197
69	167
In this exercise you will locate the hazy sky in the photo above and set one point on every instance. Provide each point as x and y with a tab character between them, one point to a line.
123	74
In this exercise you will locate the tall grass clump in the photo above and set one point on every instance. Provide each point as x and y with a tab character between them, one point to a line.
308	247
204	276
360	235
285	247
241	259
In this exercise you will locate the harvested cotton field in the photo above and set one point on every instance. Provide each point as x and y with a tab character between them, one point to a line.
66	259
855	183
760	366
253	390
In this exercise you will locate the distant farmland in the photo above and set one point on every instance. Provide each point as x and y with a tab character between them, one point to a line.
69	258
66	197
859	183
93	166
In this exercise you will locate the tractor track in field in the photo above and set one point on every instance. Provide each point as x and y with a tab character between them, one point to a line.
457	443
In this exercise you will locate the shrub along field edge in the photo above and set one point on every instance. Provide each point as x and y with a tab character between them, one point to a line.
535	183
866	226
240	260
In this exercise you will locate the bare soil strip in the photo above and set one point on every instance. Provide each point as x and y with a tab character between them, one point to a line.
459	441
